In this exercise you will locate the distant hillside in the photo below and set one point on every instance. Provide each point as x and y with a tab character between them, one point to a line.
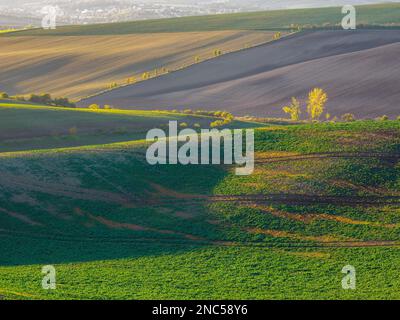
356	68
17	22
382	14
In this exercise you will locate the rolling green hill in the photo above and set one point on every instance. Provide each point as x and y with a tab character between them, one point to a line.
382	14
321	197
26	126
76	191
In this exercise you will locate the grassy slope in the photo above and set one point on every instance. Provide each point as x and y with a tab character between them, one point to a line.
52	127
384	14
97	216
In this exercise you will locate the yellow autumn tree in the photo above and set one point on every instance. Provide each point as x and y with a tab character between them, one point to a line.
94	106
145	75
317	99
293	109
131	80
217	52
277	36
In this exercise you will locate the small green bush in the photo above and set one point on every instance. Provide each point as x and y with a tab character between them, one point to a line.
63	102
44	98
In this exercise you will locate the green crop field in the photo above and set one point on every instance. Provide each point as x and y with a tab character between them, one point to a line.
322	196
382	14
77	192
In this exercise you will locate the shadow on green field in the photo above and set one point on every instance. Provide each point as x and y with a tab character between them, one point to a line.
108	203
59	208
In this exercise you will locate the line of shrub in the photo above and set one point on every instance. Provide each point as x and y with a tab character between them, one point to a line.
226	117
43	98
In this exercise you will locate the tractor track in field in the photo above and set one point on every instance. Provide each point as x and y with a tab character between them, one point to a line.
201	243
169	197
294	157
388	156
330	155
288	199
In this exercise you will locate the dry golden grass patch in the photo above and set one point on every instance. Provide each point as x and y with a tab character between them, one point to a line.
112	224
278	173
297	236
282	214
274	154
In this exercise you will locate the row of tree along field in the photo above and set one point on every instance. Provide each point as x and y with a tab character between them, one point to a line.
147	75
225	117
44	98
315	109
163	70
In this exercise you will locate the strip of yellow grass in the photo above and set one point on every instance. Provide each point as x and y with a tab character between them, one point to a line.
297	236
136	113
20	294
